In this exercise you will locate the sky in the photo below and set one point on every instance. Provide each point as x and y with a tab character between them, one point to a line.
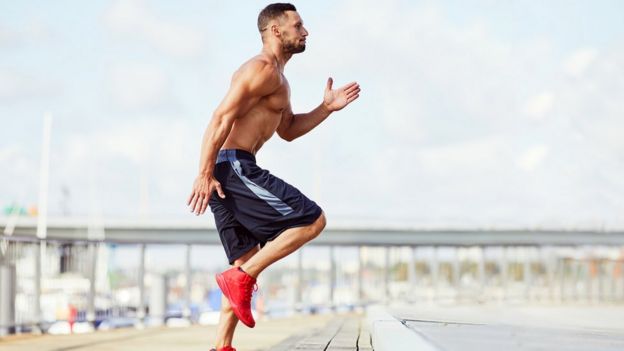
472	114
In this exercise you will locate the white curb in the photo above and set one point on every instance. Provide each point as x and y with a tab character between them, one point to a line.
389	334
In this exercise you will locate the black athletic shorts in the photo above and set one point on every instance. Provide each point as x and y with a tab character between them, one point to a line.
257	207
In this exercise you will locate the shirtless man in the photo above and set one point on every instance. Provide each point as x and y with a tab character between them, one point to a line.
253	208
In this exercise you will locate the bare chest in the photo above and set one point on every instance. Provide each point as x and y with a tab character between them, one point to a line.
279	100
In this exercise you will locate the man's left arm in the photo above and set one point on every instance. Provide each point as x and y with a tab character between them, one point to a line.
296	125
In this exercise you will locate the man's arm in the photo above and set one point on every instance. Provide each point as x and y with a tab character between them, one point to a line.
293	126
252	82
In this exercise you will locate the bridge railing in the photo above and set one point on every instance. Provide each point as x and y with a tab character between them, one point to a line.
69	285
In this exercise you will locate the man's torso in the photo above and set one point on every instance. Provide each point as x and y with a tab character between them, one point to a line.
253	129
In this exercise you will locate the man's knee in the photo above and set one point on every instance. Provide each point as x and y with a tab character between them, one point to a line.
318	226
322	221
225	305
226	309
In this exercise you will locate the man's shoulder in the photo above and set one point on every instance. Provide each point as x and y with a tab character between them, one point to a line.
259	71
259	64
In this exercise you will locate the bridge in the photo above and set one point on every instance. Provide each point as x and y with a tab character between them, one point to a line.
350	265
195	232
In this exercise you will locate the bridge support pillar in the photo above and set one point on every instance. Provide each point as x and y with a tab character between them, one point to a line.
93	248
411	271
332	276
434	265
527	276
141	283
503	264
360	278
481	269
386	274
456	272
40	255
299	297
186	313
8	280
158	299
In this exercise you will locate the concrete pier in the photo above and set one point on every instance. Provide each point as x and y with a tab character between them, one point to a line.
8	280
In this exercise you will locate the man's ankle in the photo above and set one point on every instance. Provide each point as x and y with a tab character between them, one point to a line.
248	271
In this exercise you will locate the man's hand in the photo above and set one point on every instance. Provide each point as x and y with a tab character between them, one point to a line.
336	100
202	190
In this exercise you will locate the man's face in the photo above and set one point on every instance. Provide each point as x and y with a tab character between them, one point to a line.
293	33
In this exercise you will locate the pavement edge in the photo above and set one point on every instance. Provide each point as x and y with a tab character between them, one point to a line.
388	333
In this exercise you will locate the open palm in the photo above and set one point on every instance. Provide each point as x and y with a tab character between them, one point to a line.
337	99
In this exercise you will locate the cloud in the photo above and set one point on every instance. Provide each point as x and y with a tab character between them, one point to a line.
109	169
7	37
593	101
33	31
16	86
461	108
458	122
136	86
137	157
433	76
19	179
135	19
469	155
539	106
577	63
532	157
7	153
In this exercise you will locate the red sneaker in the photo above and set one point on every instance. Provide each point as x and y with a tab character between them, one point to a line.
238	286
224	348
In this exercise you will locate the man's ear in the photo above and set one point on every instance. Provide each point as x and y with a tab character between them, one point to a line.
275	30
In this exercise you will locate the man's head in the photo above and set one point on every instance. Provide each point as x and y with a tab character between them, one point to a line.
281	22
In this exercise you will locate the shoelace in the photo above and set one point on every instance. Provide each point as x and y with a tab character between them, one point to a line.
249	290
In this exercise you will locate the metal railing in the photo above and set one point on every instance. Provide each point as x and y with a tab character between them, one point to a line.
53	285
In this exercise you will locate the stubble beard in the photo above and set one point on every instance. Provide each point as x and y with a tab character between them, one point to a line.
292	47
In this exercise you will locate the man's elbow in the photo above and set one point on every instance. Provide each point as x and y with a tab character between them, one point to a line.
288	136
221	120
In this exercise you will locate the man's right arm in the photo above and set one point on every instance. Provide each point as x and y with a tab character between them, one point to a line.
253	81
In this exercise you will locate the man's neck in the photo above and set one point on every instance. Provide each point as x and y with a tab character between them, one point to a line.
274	50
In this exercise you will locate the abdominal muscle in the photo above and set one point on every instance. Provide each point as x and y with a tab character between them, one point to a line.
251	131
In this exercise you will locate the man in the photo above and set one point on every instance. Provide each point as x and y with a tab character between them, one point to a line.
253	208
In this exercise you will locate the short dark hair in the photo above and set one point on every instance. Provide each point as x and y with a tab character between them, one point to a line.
273	11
